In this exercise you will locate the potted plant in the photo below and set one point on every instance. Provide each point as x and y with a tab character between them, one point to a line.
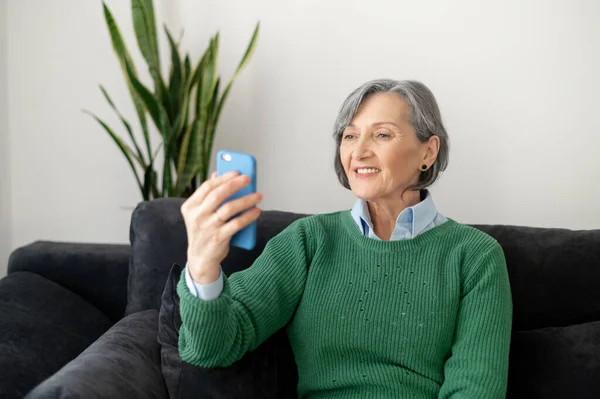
185	108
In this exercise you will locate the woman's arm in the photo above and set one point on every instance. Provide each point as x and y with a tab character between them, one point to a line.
254	303
478	365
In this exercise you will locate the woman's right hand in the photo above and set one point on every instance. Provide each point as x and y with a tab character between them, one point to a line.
208	227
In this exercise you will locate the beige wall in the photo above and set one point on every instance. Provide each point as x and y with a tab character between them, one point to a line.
517	83
5	222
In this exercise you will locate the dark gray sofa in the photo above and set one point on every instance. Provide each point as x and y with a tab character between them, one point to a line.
71	314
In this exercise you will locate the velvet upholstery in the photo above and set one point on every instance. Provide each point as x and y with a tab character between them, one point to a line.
268	372
554	274
556	362
123	363
96	272
158	239
554	277
42	327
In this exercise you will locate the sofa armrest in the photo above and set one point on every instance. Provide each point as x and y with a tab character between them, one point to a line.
96	272
123	363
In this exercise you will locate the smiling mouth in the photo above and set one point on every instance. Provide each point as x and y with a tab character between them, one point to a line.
366	171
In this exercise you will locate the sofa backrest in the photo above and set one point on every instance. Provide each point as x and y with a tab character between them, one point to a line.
554	273
158	239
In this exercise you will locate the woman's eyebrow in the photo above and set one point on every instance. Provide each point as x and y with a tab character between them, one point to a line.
385	123
377	124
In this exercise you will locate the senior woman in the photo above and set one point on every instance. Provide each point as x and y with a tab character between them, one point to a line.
388	300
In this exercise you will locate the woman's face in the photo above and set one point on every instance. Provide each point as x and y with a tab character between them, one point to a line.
379	149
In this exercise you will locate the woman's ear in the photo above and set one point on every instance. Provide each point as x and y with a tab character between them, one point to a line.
432	149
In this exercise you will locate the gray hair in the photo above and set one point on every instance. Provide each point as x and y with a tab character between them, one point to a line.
424	117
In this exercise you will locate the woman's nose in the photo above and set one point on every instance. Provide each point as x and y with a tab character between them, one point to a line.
361	150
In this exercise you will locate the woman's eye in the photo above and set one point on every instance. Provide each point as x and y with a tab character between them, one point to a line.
348	137
383	135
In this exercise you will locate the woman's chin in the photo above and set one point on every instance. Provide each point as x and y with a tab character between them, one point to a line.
364	194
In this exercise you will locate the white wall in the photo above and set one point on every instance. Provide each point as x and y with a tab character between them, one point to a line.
516	81
5	227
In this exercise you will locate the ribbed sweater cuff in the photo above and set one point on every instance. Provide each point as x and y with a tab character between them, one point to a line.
189	304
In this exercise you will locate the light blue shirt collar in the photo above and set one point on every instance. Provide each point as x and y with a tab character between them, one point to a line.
410	223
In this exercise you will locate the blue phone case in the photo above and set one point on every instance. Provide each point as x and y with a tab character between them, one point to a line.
245	164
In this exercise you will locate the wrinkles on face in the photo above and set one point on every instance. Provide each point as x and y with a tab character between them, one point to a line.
380	137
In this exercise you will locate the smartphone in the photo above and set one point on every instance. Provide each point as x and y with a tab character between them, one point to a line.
244	164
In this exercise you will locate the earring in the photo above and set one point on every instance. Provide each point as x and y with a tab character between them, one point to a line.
423	168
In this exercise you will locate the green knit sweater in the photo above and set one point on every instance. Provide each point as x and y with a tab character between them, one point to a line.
424	317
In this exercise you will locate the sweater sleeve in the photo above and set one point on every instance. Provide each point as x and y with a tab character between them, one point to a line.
478	365
254	304
206	292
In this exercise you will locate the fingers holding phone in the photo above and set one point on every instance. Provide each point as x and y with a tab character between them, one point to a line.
245	164
233	225
224	192
220	211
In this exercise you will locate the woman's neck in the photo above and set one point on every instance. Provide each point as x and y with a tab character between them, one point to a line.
385	213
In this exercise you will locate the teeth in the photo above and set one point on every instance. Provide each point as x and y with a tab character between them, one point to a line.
366	171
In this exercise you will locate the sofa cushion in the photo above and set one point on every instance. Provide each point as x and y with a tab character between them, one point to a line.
158	239
561	362
553	273
267	372
123	363
95	272
42	327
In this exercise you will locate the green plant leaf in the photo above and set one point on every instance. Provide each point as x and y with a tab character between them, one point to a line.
154	108
206	97
207	82
125	149
245	59
175	82
217	112
197	74
168	188
214	99
181	127
187	67
125	59
180	123
219	107
127	127
210	73
191	161
205	78
149	9
203	72
156	153
184	148
249	51
144	24
190	93
150	183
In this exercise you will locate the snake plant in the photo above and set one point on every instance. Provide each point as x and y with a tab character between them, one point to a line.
185	108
